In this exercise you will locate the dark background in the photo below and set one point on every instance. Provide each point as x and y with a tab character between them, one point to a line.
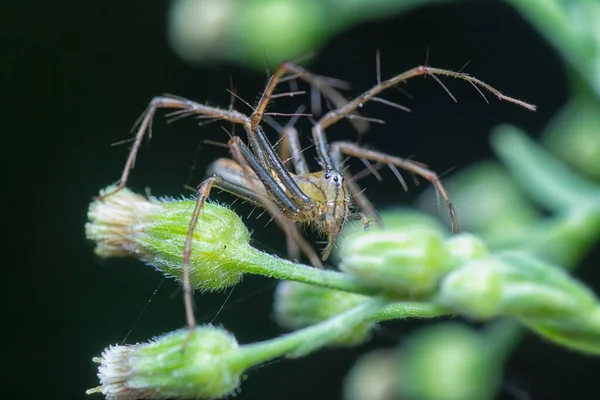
76	75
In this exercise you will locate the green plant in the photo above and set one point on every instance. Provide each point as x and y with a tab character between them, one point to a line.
511	270
411	269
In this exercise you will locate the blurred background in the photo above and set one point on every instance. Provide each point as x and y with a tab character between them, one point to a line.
76	76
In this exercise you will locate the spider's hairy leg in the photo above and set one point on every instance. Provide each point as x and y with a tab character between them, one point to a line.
331	160
226	183
144	124
274	199
361	200
342	112
259	111
291	142
353	150
325	85
290	149
233	172
188	299
362	217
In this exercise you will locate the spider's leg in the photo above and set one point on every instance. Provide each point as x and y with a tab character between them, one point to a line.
274	199
188	107
353	150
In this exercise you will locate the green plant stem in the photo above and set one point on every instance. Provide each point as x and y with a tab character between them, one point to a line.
404	310
306	340
264	264
565	239
503	336
544	178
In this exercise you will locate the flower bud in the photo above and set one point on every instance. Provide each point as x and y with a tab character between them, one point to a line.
465	247
573	135
447	362
373	377
542	296
517	285
161	369
408	262
298	305
474	290
127	224
408	218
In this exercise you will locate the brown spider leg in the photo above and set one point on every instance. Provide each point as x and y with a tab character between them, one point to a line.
250	165
290	134
277	169
320	83
362	217
335	115
214	181
284	151
188	299
289	152
291	142
351	149
361	200
252	193
170	102
324	85
258	113
245	157
318	132
233	172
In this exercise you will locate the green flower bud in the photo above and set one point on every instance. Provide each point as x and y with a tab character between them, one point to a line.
466	247
516	285
447	362
160	369
298	305
474	290
535	289
544	178
573	135
155	231
512	285
407	218
198	30
373	377
211	364
404	263
540	295
284	29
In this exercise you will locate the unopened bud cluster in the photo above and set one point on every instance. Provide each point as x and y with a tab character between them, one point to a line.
407	263
410	270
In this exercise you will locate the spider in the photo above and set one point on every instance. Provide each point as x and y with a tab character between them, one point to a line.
322	199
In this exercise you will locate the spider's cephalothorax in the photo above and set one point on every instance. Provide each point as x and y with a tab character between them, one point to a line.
294	195
330	203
